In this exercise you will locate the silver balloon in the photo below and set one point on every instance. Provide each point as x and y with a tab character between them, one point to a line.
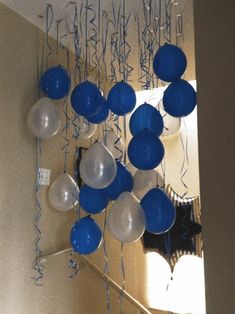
114	144
86	129
63	193
44	119
126	219
145	180
171	124
98	168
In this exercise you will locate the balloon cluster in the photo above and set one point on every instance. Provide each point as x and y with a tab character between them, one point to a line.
105	178
145	152
169	64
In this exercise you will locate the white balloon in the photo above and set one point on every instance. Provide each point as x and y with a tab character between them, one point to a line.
145	180
63	193
171	124
126	219
114	144
98	168
86	129
44	119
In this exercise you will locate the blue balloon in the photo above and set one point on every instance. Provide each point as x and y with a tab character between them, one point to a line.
145	150
122	182
85	236
179	99
121	98
55	82
102	113
93	201
169	63
146	117
86	99
159	211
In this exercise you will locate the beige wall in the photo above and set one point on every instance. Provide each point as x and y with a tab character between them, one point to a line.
215	46
86	293
18	294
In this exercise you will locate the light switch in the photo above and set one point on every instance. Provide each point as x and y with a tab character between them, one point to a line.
44	176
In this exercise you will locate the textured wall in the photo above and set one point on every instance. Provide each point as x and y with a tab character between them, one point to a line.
18	294
215	46
86	293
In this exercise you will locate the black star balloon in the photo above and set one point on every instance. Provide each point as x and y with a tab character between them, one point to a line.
181	237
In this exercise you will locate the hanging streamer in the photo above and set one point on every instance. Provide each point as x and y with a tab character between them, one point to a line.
114	43
49	20
105	29
179	31
121	297
72	264
106	266
77	71
38	266
124	46
184	140
64	47
185	163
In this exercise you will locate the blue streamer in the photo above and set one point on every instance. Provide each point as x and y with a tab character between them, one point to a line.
49	20
105	29
114	43
179	30
106	266
121	297
124	46
60	44
38	266
73	265
91	39
185	163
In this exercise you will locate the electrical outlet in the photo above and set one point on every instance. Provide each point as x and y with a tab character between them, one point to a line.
44	176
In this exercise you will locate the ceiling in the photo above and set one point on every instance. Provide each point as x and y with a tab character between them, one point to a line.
64	9
31	9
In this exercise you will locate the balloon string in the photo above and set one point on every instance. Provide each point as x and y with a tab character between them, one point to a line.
39	66
77	71
121	297
92	38
144	61
125	139
73	265
106	266
86	41
76	126
49	20
77	44
119	137
65	147
105	29
163	168
124	48
185	163
98	42
167	30
114	43
38	266
179	30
